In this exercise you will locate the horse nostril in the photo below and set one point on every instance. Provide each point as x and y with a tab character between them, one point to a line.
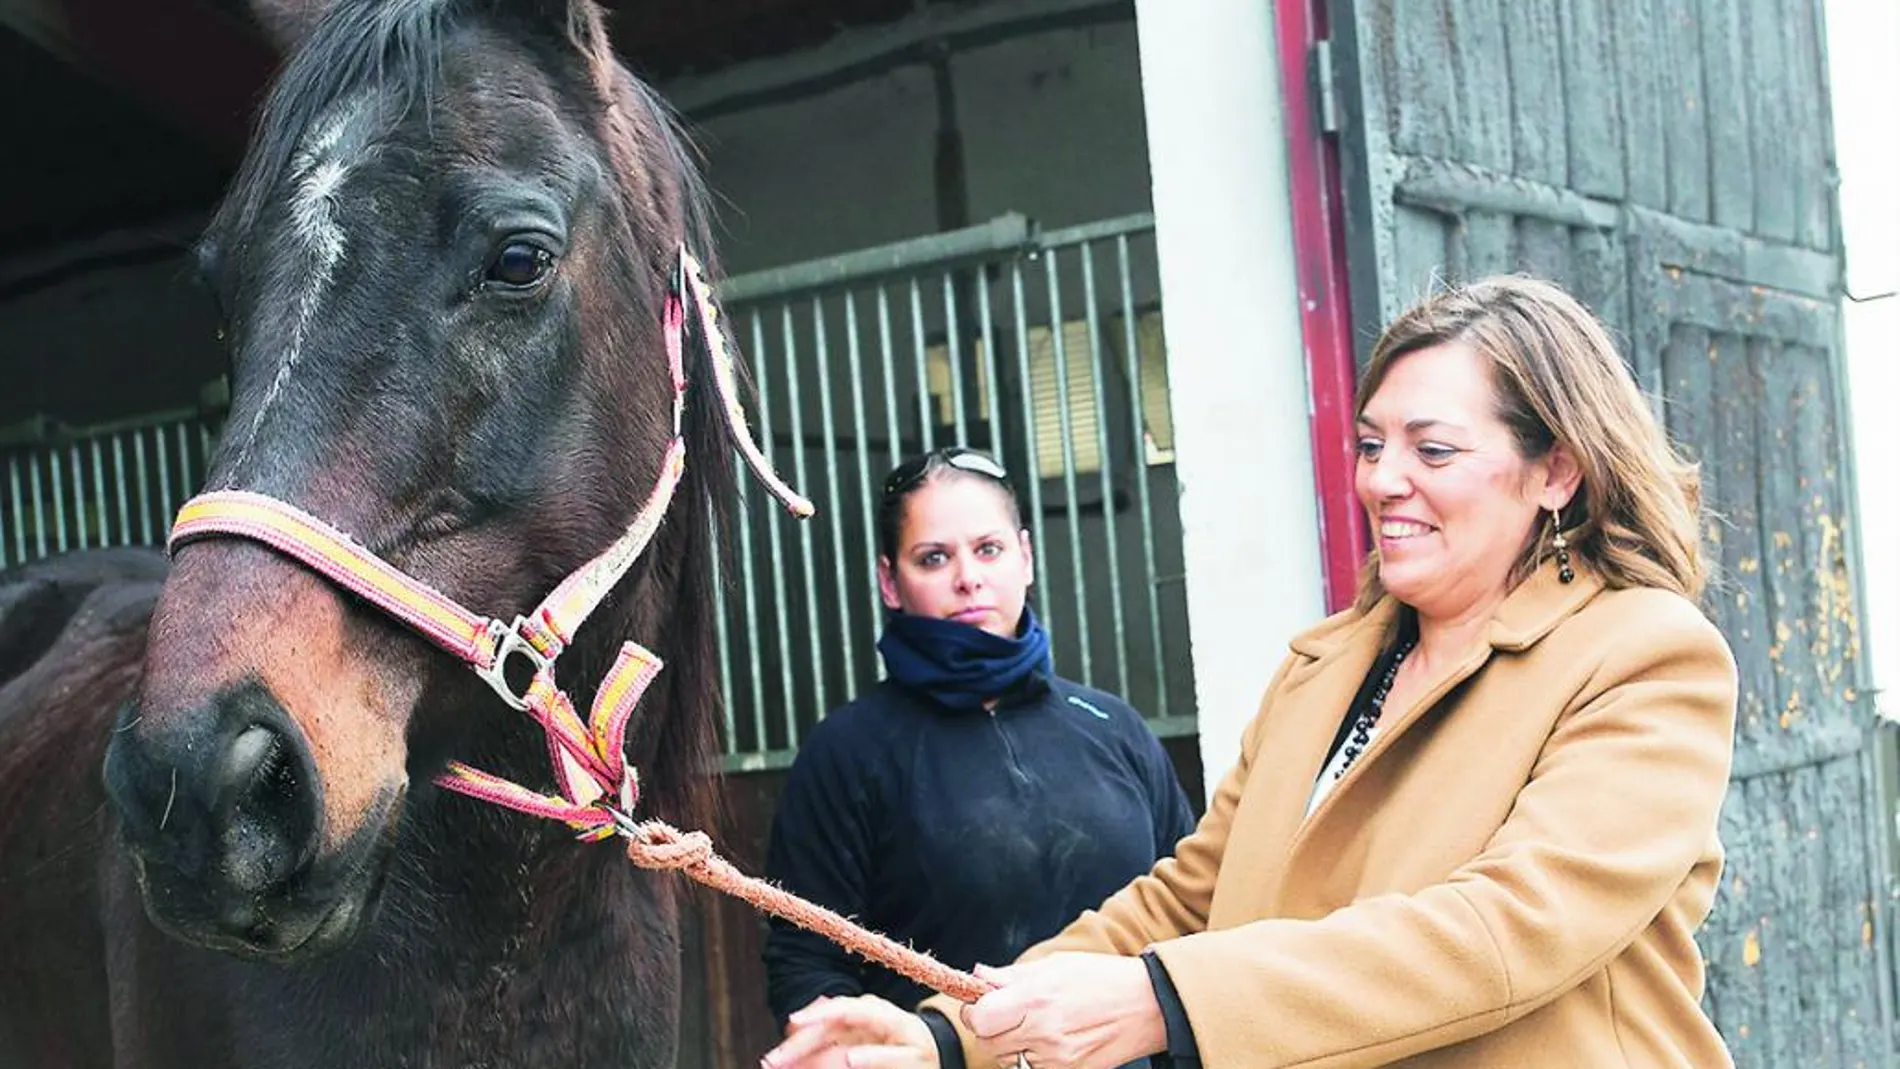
268	808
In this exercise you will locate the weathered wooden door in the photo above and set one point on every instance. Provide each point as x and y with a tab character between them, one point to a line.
1670	162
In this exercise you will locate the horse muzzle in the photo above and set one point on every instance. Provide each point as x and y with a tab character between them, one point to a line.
223	822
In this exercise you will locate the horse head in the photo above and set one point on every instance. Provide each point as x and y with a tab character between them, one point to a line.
443	266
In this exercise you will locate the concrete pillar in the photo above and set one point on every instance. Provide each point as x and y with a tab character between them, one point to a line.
1237	375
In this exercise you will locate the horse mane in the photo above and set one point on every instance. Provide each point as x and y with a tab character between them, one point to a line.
677	753
394	48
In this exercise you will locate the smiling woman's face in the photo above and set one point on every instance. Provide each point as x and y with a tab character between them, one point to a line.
1450	499
960	556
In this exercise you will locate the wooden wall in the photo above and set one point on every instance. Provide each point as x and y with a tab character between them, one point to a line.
1671	162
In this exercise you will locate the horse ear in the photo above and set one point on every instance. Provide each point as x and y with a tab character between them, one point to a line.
287	22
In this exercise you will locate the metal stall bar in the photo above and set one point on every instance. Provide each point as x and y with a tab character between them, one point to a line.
1032	455
145	488
19	508
164	482
121	480
39	506
98	503
1105	466
846	640
186	482
1137	434
999	238
795	402
60	542
748	583
867	503
893	440
926	423
773	537
82	512
995	387
953	350
1052	275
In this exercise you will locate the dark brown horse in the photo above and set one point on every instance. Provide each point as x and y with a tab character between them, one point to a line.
443	266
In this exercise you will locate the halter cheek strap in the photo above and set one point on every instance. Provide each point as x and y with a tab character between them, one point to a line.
597	786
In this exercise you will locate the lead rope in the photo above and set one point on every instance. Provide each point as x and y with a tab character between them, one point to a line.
655	844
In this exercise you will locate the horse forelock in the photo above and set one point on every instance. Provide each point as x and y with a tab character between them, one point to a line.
389	50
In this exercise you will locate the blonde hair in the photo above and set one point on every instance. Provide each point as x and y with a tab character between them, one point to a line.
1636	518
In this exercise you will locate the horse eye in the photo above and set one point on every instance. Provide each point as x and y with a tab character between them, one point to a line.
520	265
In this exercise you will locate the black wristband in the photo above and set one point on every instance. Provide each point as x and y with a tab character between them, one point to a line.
949	1044
1181	1045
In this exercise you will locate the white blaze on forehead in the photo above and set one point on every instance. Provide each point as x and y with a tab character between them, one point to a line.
318	171
317	174
314	210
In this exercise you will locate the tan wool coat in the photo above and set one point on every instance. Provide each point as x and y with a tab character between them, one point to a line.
1510	876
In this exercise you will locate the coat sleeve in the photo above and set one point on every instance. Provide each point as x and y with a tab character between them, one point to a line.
1569	881
820	850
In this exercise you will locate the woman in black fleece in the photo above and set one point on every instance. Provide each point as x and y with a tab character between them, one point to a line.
974	802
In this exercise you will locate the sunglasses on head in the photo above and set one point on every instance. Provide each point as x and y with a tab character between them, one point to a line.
911	472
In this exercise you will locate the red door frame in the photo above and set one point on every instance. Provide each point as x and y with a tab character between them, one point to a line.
1319	240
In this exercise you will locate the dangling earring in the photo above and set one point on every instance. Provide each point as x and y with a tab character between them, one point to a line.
1562	546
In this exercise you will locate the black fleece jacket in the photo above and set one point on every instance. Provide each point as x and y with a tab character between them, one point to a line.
968	835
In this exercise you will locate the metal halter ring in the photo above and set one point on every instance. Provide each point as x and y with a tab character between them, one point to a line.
510	641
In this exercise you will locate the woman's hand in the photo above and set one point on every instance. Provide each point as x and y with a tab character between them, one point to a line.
1069	1011
864	1032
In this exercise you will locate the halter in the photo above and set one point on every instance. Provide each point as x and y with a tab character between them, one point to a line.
598	788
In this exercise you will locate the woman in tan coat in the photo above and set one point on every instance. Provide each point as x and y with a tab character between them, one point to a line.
1474	822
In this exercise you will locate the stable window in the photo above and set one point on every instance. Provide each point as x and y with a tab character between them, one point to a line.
1080	366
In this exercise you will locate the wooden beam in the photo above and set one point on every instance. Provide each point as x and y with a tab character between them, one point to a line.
196	69
859	51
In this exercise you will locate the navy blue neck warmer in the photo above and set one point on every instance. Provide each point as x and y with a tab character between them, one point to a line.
958	665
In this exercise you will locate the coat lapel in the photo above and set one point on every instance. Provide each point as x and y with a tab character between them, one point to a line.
1342	655
1292	742
1537	606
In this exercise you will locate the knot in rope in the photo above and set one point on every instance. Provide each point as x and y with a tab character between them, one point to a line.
655	844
